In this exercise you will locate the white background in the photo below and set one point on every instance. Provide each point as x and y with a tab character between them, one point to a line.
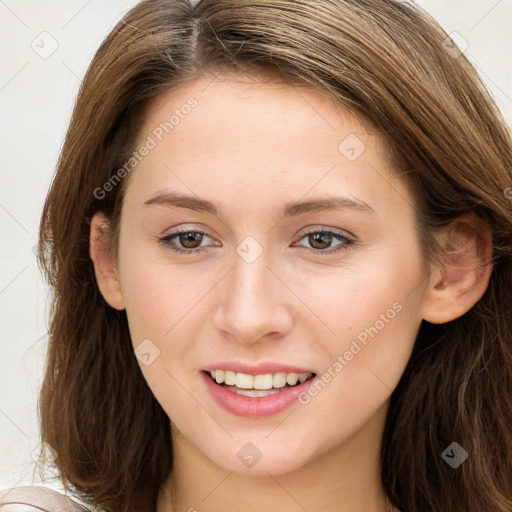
36	98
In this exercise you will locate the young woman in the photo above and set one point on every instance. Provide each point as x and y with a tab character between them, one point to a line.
279	238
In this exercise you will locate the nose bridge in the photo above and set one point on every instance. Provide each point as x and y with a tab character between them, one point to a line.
250	281
252	305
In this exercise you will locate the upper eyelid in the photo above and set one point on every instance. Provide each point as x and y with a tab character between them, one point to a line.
186	230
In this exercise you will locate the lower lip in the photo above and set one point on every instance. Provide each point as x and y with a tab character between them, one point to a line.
254	407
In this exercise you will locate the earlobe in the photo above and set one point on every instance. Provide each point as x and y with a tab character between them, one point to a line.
104	267
457	284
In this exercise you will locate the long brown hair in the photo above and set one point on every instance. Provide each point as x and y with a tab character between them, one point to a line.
390	64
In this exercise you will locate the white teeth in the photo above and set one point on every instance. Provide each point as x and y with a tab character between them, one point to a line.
263	382
229	378
244	381
279	380
291	378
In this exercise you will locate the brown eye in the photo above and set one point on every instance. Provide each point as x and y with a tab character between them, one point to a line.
189	239
184	242
321	239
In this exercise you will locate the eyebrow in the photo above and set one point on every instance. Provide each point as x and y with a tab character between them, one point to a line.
291	209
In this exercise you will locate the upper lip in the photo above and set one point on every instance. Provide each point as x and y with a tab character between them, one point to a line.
259	369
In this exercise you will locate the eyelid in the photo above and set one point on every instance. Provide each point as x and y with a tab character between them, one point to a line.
347	239
165	240
317	228
177	230
341	235
308	230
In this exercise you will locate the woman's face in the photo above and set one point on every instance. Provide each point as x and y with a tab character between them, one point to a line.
263	292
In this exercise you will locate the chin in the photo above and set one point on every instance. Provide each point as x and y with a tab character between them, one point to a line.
259	456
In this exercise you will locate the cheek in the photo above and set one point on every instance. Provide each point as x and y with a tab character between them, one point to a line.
352	299
364	362
156	295
148	308
372	314
161	306
156	308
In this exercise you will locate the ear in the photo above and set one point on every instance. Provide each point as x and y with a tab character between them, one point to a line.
104	266
460	282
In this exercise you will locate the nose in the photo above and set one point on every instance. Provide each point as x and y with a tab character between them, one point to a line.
254	302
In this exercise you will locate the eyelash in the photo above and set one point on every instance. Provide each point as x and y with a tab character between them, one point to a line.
165	240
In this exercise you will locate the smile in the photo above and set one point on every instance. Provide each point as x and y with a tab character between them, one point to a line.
255	396
257	385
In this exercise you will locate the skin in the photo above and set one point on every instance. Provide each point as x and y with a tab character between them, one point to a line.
251	147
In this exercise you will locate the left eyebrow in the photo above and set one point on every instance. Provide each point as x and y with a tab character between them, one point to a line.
292	209
323	204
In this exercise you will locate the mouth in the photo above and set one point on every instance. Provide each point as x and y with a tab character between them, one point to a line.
256	396
258	386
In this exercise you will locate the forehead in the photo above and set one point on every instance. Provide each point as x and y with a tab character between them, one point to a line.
257	138
255	107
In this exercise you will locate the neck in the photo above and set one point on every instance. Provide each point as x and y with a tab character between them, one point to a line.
344	479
